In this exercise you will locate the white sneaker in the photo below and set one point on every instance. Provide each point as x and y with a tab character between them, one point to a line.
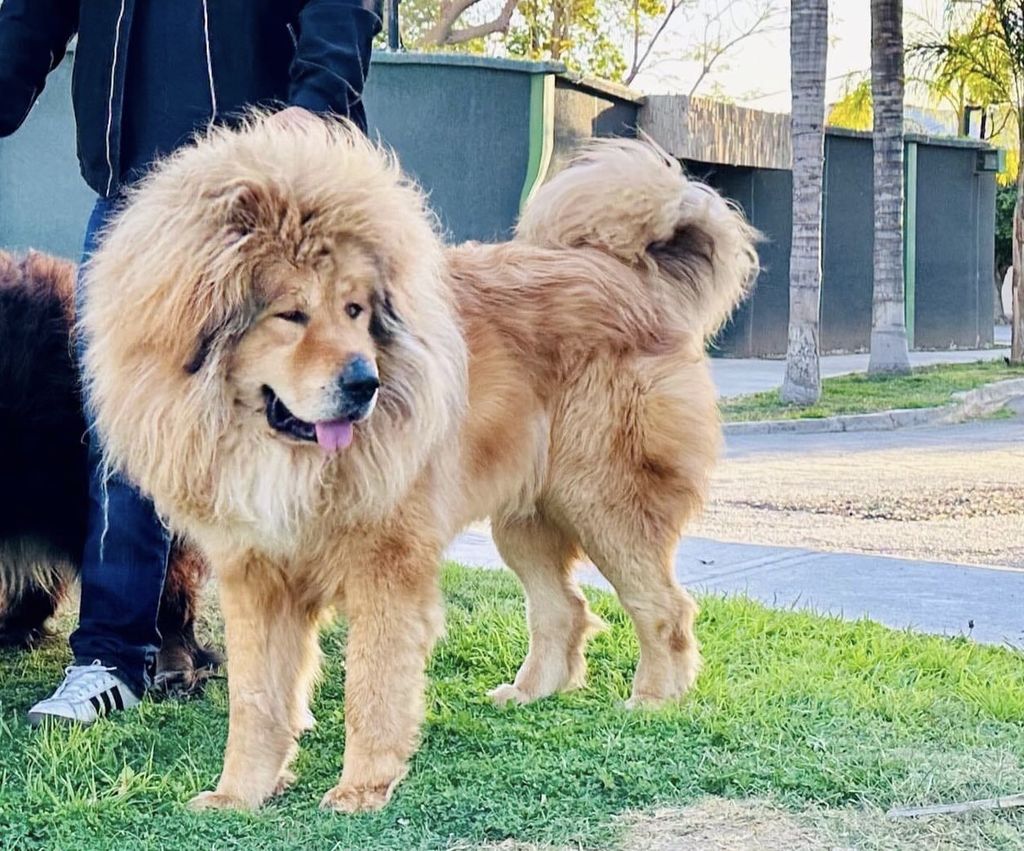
88	691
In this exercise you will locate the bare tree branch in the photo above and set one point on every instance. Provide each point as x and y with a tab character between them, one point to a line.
711	48
498	24
444	32
636	40
710	58
638	62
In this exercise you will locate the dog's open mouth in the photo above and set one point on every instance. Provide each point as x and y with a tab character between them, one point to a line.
331	435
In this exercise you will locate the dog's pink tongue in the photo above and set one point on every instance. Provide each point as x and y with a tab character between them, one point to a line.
334	435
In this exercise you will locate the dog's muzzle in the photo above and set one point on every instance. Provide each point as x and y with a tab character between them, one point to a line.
355	395
284	421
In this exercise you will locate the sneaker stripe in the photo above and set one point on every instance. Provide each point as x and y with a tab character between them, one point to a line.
87	693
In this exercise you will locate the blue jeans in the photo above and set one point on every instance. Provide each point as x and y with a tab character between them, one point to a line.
126	552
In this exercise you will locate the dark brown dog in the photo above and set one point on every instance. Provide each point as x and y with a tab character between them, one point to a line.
43	477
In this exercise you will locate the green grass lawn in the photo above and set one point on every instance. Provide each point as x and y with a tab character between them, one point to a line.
807	711
857	394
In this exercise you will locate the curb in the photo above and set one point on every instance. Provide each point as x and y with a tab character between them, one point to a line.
987	399
968	404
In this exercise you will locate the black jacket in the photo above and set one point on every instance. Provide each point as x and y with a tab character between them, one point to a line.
314	54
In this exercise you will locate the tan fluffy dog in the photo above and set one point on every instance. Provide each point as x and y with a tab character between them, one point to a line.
242	313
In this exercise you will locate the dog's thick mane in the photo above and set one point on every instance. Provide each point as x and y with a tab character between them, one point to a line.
184	259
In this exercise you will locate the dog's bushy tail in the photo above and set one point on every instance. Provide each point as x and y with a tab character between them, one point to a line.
630	199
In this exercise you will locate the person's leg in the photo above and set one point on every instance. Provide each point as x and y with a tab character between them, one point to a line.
123	567
123	570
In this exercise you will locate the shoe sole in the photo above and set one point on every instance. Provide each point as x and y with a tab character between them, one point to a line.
42	719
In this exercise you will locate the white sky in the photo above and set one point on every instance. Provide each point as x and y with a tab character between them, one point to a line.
757	72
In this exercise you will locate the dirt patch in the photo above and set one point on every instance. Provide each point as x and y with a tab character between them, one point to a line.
711	824
717	824
869	829
958	504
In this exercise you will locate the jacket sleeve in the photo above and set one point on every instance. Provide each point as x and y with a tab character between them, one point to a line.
334	39
34	35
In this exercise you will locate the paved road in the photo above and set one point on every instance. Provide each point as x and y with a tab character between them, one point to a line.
738	376
976	435
919	528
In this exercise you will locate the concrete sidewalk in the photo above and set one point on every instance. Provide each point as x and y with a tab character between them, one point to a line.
977	435
739	376
945	599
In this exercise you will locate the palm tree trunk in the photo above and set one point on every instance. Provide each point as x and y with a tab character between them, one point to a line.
1017	290
808	47
888	315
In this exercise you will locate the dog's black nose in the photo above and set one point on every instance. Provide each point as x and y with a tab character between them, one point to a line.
360	392
358	381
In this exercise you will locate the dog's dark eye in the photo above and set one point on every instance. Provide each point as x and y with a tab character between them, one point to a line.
296	316
353	310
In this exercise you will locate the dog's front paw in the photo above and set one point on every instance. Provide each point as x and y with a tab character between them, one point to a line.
307	721
345	798
24	638
284	782
505	694
217	801
644	701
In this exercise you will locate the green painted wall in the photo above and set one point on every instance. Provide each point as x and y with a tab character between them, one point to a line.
461	126
950	247
476	133
584	110
44	202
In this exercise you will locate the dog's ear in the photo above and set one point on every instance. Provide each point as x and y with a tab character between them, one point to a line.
202	351
242	208
223	330
245	207
385	322
206	343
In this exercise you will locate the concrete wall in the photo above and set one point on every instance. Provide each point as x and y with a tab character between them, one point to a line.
584	110
950	291
955	249
462	130
44	203
476	133
848	242
765	195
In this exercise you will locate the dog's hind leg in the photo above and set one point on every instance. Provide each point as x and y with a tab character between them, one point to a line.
559	619
271	644
627	484
641	571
